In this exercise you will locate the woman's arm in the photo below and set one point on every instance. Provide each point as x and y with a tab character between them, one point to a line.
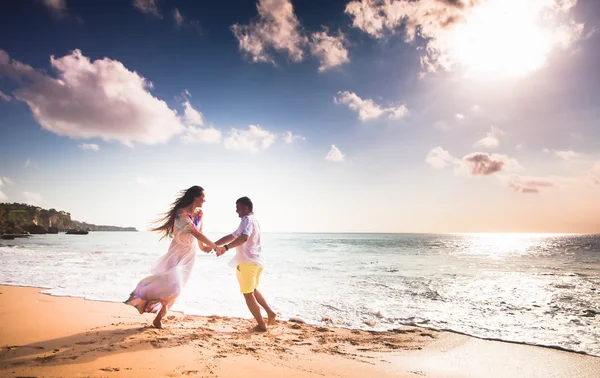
201	238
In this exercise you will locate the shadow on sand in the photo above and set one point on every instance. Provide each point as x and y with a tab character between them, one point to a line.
88	346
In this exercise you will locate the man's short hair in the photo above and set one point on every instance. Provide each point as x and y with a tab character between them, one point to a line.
245	201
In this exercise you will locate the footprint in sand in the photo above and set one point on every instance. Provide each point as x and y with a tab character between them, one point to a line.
110	369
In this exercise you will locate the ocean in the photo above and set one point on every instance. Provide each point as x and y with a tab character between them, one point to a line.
541	289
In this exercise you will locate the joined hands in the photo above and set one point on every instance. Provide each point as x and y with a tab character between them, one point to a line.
220	250
206	248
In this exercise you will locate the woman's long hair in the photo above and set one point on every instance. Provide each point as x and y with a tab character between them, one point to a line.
185	199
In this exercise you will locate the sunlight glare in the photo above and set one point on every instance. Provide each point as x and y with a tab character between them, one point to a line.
502	245
503	37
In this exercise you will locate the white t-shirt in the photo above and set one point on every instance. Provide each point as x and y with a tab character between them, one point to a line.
250	251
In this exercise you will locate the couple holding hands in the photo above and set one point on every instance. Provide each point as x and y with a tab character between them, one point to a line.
158	292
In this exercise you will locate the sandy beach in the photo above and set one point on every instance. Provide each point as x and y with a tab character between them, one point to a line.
46	336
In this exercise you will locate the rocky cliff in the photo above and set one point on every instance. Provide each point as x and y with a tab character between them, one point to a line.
18	218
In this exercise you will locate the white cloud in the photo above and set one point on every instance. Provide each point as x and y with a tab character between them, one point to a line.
191	116
147	7
32	198
576	136
4	57
594	173
469	32
397	112
368	109
178	17
428	19
528	185
289	138
439	158
565	154
99	99
195	130
277	28
482	164
89	147
146	181
473	164
183	22
6	180
459	116
568	155
330	50
5	97
253	140
55	4
490	140
201	134
335	155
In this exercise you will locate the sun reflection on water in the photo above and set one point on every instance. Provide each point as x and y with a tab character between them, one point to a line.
502	245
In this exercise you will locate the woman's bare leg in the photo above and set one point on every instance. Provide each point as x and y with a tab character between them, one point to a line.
161	314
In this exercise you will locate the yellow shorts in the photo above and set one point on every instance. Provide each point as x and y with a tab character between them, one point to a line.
248	276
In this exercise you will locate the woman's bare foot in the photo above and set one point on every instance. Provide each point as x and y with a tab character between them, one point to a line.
157	323
271	319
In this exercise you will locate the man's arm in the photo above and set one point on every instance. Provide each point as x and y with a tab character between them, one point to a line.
225	239
235	243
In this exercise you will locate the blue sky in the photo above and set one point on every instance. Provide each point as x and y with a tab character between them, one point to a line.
361	116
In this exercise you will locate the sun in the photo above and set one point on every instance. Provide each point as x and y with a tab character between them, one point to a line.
504	38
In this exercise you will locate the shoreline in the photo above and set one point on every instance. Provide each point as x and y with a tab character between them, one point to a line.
553	347
46	335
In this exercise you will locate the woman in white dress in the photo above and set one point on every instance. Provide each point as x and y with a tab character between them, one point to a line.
183	223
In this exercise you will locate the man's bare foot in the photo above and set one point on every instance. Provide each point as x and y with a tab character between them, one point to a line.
157	323
260	328
271	319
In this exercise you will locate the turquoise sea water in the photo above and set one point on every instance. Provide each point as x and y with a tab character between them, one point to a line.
537	289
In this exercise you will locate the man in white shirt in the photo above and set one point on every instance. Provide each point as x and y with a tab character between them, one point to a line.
248	261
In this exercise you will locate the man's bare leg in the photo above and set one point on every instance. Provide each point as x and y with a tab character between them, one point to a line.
272	316
255	310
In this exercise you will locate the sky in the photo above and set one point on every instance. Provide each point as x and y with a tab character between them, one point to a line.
332	116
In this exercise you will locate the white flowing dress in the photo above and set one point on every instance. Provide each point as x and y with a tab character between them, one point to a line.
171	271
